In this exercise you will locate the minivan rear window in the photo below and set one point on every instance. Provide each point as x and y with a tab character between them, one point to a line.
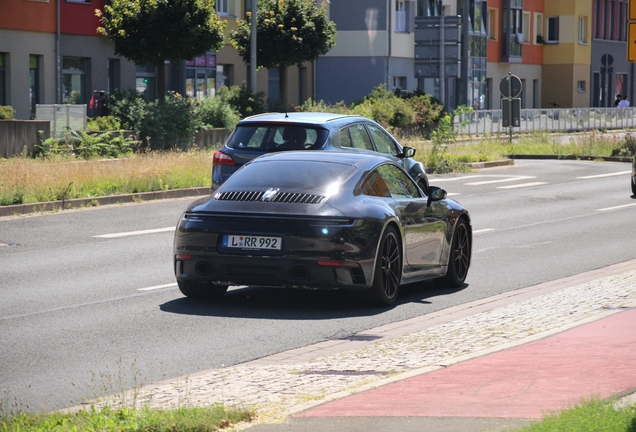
270	137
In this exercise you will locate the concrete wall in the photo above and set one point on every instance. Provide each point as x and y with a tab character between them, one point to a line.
15	135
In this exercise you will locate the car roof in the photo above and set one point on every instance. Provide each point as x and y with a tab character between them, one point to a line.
300	117
343	157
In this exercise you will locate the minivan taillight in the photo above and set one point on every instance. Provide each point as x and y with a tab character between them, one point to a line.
221	158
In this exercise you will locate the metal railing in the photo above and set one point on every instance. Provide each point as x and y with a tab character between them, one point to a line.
488	122
62	117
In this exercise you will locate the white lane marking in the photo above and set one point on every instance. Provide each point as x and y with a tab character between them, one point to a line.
509	179
448	179
132	233
483	230
514	247
617	207
605	175
450	194
157	287
521	185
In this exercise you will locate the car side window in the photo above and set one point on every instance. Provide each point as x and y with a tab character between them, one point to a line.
399	183
383	142
360	137
374	185
345	138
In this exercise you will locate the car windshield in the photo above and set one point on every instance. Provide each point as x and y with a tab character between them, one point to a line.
277	137
318	177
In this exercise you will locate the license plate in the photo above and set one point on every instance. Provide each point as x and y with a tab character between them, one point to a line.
252	242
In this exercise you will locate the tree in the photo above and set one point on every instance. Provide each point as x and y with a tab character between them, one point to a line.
289	32
153	31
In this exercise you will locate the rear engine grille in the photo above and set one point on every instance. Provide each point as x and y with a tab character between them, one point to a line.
280	197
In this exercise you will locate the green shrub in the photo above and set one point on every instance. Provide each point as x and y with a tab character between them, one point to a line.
128	107
6	112
386	108
321	106
87	145
217	113
103	123
428	112
243	100
169	124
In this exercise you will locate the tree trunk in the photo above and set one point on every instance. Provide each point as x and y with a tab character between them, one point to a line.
282	84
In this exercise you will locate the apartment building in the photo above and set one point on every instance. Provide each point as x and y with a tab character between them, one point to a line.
51	53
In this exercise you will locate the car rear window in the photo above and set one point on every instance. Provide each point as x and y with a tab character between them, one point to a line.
277	137
318	177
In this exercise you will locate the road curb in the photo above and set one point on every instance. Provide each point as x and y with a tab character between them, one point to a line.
52	206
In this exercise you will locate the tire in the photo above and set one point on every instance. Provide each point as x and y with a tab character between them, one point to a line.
201	290
388	272
459	259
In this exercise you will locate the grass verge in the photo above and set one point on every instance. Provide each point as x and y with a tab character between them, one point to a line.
206	419
592	415
24	180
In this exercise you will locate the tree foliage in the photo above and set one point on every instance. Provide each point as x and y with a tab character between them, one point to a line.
152	31
289	32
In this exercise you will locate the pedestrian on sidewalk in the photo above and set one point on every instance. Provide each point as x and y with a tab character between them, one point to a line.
624	103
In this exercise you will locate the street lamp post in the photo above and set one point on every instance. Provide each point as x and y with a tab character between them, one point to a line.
253	47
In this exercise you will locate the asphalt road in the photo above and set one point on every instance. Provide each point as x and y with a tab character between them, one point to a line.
81	314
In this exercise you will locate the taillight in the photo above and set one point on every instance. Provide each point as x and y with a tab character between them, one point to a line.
221	158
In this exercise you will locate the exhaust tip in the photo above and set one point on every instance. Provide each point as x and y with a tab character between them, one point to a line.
203	268
298	272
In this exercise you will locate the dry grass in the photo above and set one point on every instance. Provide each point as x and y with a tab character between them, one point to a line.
24	180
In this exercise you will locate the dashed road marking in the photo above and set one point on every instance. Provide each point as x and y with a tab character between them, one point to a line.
502	180
483	230
157	287
522	185
132	233
617	207
605	175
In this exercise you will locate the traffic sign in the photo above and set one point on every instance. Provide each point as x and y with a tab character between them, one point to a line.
510	86
632	10
631	38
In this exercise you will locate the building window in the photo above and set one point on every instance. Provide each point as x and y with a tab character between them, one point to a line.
223	7
612	20
598	19
516	31
581	86
538	28
146	82
73	80
399	82
622	21
493	23
582	30
429	8
34	83
553	30
273	84
302	84
113	75
3	98
223	76
400	16
526	27
201	76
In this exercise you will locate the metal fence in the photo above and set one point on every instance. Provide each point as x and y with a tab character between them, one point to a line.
62	117
488	122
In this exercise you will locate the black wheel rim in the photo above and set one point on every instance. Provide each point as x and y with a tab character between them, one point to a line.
461	252
391	266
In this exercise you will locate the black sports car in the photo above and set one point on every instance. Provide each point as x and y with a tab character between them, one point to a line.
321	220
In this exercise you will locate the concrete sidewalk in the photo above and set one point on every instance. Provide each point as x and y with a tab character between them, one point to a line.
486	365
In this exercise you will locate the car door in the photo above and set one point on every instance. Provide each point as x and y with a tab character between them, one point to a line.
424	223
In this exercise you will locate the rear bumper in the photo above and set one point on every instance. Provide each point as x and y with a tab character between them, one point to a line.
274	272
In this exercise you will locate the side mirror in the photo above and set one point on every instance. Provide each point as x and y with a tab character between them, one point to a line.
407	152
436	194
